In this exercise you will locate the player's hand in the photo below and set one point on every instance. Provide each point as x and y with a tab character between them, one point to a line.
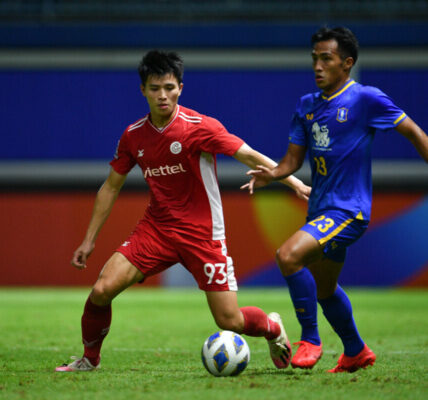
81	255
260	177
303	191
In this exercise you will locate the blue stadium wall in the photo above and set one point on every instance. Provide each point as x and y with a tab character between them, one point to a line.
77	114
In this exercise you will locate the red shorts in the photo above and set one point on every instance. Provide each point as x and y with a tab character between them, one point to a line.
152	250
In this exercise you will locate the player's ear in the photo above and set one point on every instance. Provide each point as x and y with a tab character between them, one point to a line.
180	88
348	63
143	91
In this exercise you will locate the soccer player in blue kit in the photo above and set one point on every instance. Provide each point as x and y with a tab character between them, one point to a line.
335	126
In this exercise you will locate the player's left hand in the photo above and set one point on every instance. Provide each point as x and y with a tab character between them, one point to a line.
303	191
259	177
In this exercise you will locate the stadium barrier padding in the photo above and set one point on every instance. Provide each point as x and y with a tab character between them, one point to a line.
41	231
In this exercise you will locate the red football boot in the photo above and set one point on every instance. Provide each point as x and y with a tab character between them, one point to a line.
351	364
307	355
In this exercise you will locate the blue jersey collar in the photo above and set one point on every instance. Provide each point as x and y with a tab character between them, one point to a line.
347	85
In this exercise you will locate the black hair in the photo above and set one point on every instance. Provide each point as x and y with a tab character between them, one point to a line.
346	40
160	63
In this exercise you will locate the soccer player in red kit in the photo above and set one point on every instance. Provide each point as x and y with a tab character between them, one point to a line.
175	147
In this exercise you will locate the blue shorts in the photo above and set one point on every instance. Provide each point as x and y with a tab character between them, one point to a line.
335	230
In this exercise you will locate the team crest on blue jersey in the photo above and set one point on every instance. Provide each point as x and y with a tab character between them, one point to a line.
342	114
320	135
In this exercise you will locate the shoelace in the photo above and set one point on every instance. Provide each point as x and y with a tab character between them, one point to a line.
74	358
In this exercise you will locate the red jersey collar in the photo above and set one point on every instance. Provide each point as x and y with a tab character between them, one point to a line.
161	130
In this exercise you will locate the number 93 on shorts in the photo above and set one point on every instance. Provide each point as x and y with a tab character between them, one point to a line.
217	272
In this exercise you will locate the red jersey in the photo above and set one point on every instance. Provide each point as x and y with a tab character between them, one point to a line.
179	165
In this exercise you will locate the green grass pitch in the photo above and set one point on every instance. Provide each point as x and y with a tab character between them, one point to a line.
153	349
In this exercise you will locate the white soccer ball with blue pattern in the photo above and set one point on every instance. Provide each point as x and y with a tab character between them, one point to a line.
225	353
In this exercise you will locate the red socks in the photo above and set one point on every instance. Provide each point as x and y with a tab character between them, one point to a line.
257	323
95	326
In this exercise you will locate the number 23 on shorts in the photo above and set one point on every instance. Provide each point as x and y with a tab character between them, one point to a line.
323	227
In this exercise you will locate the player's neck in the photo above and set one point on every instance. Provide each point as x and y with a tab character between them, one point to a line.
339	85
161	121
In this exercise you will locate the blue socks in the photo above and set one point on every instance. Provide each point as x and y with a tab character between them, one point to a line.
338	311
303	294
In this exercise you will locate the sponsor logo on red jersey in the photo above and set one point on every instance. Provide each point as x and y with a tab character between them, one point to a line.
164	170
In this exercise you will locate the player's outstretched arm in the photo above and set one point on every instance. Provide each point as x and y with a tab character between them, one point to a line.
416	135
262	171
104	202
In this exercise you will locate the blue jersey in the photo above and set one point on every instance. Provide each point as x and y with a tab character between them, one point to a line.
338	133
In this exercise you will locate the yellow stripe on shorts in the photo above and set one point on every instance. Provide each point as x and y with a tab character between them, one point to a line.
339	229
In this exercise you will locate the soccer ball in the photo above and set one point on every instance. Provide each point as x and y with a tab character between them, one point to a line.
225	353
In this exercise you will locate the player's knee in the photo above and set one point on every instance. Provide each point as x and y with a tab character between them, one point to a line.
230	322
287	261
102	293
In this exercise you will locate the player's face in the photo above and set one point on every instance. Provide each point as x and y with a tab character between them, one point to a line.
162	94
331	71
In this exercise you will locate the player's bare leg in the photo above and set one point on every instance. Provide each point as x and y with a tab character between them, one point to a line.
117	274
251	321
225	310
338	311
299	250
302	249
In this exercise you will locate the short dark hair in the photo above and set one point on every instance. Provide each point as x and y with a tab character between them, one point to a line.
346	40
160	63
